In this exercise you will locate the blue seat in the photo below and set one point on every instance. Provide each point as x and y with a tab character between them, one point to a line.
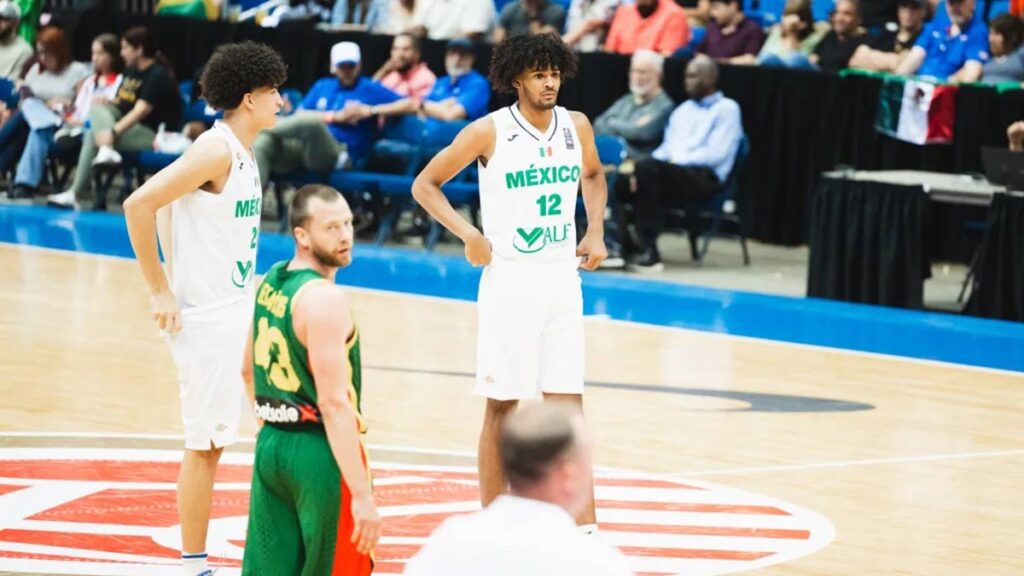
611	151
153	162
294	97
200	111
997	7
770	12
185	89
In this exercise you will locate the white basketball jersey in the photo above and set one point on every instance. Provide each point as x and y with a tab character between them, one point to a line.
214	236
528	188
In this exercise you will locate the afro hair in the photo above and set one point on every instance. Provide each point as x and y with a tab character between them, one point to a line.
235	70
519	54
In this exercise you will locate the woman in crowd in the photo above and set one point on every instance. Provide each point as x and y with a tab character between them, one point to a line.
147	97
100	86
793	40
49	88
1005	36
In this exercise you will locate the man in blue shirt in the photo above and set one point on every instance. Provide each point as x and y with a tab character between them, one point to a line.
952	50
335	125
463	94
694	159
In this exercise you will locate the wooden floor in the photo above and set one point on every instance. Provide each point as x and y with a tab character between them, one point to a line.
926	482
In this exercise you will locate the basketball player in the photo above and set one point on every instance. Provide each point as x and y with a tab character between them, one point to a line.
533	156
303	374
209	203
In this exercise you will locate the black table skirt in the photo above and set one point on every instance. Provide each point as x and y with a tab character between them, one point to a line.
867	243
999	286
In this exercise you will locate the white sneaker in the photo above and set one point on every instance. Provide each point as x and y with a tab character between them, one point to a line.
106	156
65	199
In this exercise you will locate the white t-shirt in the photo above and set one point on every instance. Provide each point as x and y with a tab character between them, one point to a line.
447	19
46	85
515	537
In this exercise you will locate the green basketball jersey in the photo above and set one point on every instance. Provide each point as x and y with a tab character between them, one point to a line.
285	393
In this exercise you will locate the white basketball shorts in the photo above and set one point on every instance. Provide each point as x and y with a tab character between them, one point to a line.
530	331
208	353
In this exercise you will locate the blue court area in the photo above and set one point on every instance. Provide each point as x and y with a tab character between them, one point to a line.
925	335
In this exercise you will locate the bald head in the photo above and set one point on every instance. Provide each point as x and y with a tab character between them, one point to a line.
701	77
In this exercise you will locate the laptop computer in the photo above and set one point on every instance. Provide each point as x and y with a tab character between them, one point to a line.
1003	167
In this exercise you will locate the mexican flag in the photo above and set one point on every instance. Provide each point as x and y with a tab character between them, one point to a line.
916	111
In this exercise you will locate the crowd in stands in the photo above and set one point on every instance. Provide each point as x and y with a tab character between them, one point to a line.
946	40
128	94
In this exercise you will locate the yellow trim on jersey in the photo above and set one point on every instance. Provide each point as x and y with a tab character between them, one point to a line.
295	297
352	396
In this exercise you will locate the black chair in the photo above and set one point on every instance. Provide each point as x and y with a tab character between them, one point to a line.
723	207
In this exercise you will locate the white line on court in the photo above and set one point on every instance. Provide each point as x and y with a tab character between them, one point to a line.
242	440
850	463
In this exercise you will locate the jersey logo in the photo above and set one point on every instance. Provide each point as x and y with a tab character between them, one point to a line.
538	238
569	144
513	137
243	272
546	152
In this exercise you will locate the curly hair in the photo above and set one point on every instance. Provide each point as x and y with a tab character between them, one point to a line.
517	54
235	70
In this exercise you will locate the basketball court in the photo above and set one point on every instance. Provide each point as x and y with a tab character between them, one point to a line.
734	432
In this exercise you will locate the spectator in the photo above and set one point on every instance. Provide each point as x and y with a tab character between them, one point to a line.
54	76
14	50
953	52
529	17
657	25
1015	134
46	93
100	85
293	10
447	19
791	42
1005	35
587	23
404	73
834	51
464	93
359	14
146	99
885	52
335	124
730	35
693	161
639	117
545	454
395	18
